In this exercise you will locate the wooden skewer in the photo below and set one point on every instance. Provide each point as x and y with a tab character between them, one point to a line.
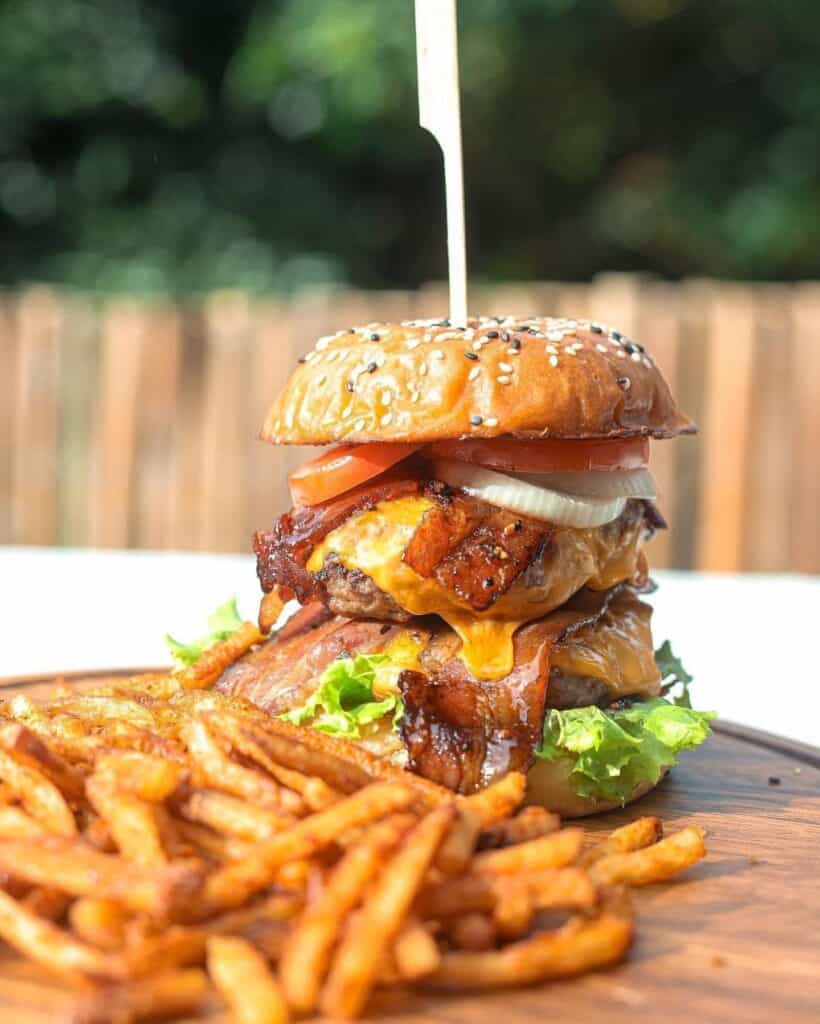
440	114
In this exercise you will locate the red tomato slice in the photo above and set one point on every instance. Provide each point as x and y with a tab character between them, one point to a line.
549	456
342	468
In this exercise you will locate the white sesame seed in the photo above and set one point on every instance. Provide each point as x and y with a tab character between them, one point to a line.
553	360
621	354
347	412
503	379
416	397
413	343
387	396
553	351
602	348
636	357
323	343
321	379
491	422
505	367
647	361
473	373
555	335
358	425
570	351
437	354
311	357
513	351
614	343
386	419
422	369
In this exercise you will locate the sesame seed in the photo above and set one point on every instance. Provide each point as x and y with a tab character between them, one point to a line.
473	373
351	330
505	367
358	425
437	354
513	352
375	337
621	354
422	369
416	397
503	379
553	351
492	334
302	359
413	343
387	396
476	421
570	351
505	336
386	419
347	412
321	379
596	328
322	343
635	357
553	360
491	422
516	343
602	348
471	355
333	355
372	367
349	385
489	582
625	383
555	335
615	335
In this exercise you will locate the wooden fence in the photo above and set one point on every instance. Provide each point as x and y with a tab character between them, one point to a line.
128	424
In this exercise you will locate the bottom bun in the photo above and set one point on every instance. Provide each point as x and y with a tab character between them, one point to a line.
549	786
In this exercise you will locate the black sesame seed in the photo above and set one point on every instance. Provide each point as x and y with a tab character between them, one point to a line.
372	367
505	336
615	335
470	355
596	328
489	582
625	383
385	629
351	330
492	334
349	386
516	343
499	319
476	421
631	347
302	359
774	780
375	337
518	525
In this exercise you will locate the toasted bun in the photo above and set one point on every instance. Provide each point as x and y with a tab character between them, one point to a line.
426	381
548	786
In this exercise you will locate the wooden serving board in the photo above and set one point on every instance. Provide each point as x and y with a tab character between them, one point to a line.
736	939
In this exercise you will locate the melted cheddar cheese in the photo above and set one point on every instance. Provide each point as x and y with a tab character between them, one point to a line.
374	542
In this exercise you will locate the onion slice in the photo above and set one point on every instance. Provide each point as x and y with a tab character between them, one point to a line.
613	483
527	498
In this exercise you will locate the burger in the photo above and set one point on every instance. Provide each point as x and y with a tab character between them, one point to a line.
468	558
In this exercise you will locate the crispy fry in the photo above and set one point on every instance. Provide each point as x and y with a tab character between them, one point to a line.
168	994
551	851
415	952
98	922
76	868
566	888
354	972
16	824
654	863
221	772
147	776
233	884
27	747
457	849
38	794
513	911
232	816
634	836
580	945
471	931
499	801
51	946
245	982
212	845
211	663
135	824
307	950
48	903
270	608
529	823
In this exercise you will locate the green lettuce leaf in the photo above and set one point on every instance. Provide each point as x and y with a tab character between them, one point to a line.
673	674
224	621
613	752
344	701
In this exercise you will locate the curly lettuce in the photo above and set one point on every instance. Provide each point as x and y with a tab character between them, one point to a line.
612	752
221	624
344	701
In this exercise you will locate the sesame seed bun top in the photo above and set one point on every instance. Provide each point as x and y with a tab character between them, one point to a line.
498	377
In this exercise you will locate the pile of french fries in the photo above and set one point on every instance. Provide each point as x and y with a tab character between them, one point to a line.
167	849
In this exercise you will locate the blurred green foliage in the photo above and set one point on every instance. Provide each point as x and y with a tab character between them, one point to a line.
181	145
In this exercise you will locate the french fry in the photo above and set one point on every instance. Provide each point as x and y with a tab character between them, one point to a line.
234	883
39	795
171	993
513	911
212	663
48	903
456	851
550	851
100	923
653	863
134	823
75	868
353	972
147	776
232	816
307	951
498	801
551	888
46	944
415	952
212	845
634	836
219	771
16	824
580	945
27	747
245	982
529	823
270	608
472	931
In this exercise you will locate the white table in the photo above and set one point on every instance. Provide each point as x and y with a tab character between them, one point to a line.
748	640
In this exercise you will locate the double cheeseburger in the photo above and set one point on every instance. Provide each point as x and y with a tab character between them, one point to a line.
468	557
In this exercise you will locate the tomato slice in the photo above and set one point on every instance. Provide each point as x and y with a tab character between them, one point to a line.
342	468
549	456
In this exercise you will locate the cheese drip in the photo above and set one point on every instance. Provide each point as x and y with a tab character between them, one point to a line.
374	541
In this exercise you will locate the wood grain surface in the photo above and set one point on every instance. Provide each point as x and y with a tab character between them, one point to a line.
736	940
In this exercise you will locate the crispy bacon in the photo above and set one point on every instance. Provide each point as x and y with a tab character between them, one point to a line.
464	732
283	552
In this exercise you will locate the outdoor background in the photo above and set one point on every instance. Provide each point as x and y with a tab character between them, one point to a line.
191	192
